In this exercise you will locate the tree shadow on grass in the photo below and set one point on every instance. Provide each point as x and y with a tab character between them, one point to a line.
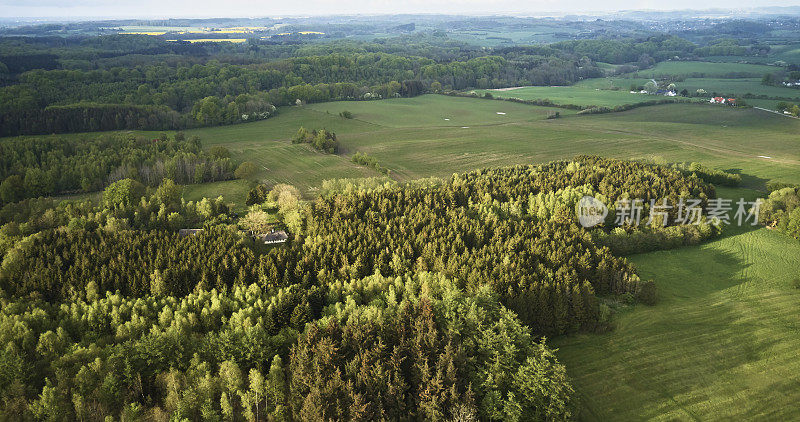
750	181
701	352
709	269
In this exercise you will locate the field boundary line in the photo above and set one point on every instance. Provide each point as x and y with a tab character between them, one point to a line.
775	112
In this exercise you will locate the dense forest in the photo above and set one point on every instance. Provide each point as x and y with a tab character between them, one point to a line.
427	300
141	82
125	205
382	348
162	96
34	167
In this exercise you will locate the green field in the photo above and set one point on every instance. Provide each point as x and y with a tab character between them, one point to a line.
233	191
436	111
708	69
721	344
737	87
608	68
768	104
614	91
605	92
416	142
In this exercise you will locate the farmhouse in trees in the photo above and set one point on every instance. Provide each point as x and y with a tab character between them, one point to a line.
188	232
274	237
271	238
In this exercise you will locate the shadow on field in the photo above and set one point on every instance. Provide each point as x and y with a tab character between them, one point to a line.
711	269
720	344
749	180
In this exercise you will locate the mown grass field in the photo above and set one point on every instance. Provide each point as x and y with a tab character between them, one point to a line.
590	92
721	344
233	191
436	111
737	87
412	139
415	141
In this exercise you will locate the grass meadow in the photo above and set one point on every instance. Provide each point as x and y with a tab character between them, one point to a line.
412	139
721	344
233	191
615	90
590	92
737	87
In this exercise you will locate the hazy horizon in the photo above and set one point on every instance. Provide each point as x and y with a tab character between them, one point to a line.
160	9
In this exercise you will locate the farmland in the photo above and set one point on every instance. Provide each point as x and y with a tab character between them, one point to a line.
606	92
437	111
789	53
411	138
614	91
738	87
720	343
415	141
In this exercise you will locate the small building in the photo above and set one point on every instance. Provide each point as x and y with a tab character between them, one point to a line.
731	101
274	237
717	100
188	232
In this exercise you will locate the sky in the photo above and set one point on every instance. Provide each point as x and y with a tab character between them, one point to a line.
269	8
